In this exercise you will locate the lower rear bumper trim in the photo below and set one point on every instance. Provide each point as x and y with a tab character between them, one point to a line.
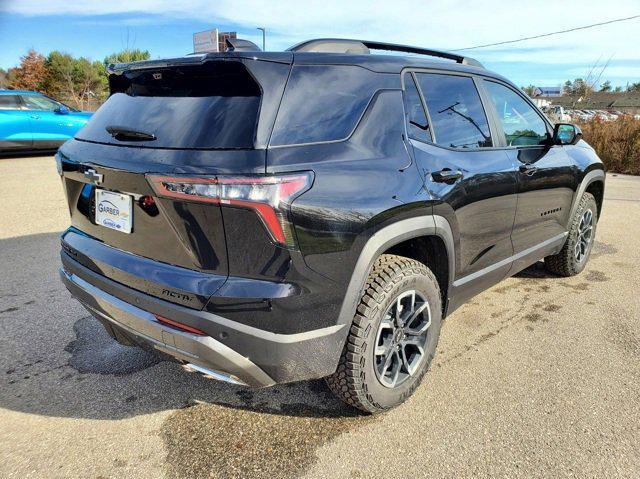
205	354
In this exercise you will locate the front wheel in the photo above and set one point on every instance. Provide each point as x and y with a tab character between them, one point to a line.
574	255
393	337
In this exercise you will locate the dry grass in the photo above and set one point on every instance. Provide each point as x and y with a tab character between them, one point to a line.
616	142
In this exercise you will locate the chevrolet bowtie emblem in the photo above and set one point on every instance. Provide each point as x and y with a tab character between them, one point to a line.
93	176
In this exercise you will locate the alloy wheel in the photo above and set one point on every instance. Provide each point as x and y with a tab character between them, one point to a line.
585	236
401	339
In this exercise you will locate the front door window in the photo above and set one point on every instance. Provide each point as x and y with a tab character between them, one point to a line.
522	125
40	102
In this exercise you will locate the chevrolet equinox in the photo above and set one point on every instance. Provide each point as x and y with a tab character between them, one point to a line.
268	217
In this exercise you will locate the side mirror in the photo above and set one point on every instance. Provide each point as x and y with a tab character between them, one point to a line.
566	134
62	110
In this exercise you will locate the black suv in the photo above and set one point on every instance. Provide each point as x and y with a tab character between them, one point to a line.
267	217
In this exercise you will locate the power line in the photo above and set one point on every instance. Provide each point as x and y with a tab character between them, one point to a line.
549	34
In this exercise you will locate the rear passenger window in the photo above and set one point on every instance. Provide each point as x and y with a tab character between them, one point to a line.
457	117
417	123
9	102
323	103
520	122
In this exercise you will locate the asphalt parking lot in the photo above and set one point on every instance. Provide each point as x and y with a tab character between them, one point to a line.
538	377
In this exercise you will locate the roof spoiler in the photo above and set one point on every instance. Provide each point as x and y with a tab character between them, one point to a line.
363	47
240	45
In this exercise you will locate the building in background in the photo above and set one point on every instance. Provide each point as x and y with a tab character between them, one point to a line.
222	36
548	91
211	41
625	102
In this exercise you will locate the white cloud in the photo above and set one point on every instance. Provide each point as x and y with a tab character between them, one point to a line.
446	24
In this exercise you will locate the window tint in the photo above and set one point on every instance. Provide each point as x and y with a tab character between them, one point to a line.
417	123
213	105
457	116
322	103
39	102
521	124
9	102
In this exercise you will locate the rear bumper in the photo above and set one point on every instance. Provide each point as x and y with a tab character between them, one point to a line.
240	353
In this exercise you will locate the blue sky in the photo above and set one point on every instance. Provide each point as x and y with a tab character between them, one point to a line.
96	28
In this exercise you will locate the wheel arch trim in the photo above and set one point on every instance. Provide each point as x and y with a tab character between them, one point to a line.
589	178
385	238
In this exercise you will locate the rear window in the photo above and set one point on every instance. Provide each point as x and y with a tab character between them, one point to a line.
213	105
323	103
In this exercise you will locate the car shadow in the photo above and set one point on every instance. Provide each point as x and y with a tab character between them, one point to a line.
535	271
57	360
26	154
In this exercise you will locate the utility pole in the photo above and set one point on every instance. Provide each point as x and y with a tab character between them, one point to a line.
264	37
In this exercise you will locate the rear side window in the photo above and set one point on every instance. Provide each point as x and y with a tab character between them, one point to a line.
457	117
212	105
521	124
9	102
417	123
322	103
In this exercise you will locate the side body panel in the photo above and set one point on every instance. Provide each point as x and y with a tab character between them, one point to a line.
480	210
51	128
362	185
546	176
545	195
15	130
480	207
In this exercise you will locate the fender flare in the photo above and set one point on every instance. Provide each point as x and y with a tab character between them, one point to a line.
428	225
594	175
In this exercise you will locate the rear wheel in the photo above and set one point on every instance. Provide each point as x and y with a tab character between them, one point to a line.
574	255
393	337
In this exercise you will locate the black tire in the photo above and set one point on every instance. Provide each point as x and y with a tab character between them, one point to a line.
565	263
356	381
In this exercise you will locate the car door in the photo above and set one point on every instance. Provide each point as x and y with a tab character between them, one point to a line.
15	127
473	184
545	177
49	127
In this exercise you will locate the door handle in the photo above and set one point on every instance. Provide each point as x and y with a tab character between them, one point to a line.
446	176
528	169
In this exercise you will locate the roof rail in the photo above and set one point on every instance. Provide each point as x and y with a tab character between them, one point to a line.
339	45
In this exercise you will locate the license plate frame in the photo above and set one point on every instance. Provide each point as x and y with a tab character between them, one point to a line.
114	210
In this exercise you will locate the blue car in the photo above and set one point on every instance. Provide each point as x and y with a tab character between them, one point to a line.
32	121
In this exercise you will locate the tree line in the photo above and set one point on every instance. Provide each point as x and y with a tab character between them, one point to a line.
77	81
83	83
582	87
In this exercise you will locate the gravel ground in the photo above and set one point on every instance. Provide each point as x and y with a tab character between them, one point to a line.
537	377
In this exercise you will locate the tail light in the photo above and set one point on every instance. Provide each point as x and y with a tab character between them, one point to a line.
269	196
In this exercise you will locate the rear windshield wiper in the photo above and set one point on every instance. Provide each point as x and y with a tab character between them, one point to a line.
127	134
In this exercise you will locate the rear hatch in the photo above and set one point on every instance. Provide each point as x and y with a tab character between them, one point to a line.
191	117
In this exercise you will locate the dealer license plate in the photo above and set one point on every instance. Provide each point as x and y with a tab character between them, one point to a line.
113	210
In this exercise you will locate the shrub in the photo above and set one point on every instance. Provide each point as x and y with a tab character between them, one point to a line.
616	142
